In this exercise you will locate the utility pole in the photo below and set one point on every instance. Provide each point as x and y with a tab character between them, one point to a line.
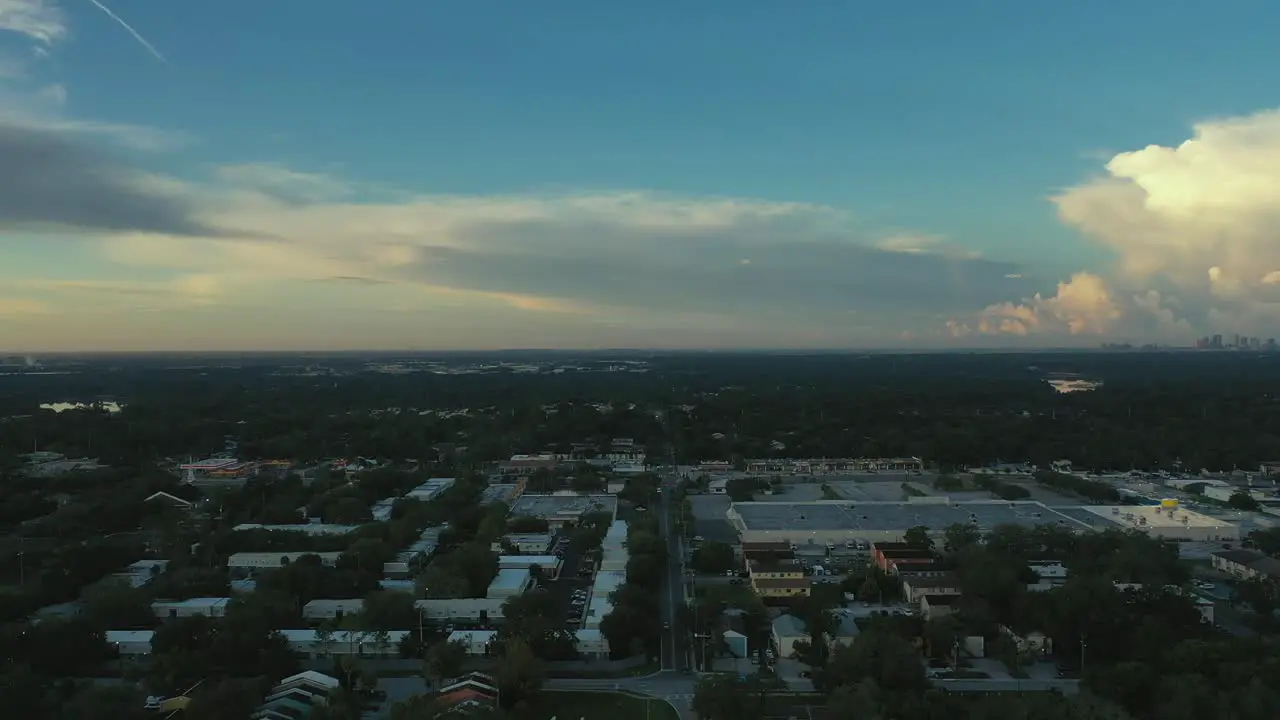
1083	645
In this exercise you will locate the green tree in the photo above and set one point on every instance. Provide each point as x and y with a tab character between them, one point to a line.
721	697
713	557
109	702
918	536
445	660
1241	500
114	604
389	610
959	536
417	707
519	673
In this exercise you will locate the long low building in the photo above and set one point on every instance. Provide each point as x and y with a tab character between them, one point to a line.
510	582
315	644
331	609
839	521
313	529
130	642
590	642
565	509
548	564
601	604
481	610
530	543
274	560
208	606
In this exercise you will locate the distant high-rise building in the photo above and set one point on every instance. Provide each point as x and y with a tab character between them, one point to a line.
1216	342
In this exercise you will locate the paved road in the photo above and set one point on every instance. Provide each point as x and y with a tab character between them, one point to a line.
673	687
673	594
1065	686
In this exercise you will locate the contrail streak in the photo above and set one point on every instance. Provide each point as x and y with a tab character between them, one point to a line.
136	35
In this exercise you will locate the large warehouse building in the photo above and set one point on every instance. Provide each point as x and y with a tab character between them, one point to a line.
836	521
1168	521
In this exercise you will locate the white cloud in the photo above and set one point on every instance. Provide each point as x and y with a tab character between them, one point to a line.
1082	306
610	259
1194	226
40	21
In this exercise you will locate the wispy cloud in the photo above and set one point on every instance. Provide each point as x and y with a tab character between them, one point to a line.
40	21
129	28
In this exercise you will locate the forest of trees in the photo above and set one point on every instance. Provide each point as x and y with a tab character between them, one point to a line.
1152	410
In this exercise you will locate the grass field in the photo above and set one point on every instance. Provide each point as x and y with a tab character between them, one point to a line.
598	706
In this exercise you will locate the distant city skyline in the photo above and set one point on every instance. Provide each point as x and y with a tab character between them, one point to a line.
723	175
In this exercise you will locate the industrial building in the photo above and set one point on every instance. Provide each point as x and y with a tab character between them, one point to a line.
477	610
421	549
563	509
502	492
249	561
130	642
331	609
431	489
548	565
590	643
381	510
838	522
834	466
613	549
310	643
223	471
141	572
313	529
509	582
601	604
208	606
1169	521
530	543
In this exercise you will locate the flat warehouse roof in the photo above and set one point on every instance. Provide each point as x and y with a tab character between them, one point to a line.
837	516
547	506
1131	516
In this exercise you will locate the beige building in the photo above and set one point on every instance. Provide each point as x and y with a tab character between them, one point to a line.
915	587
1169	521
1247	564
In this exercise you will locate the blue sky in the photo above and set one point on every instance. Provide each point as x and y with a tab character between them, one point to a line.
501	174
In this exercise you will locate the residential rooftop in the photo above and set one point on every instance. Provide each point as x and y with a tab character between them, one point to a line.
838	515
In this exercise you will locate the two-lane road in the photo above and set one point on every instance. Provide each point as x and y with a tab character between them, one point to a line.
673	592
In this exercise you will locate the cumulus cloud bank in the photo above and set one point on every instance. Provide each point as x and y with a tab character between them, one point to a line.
1195	230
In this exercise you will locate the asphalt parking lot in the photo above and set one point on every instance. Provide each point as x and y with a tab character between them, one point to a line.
563	587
